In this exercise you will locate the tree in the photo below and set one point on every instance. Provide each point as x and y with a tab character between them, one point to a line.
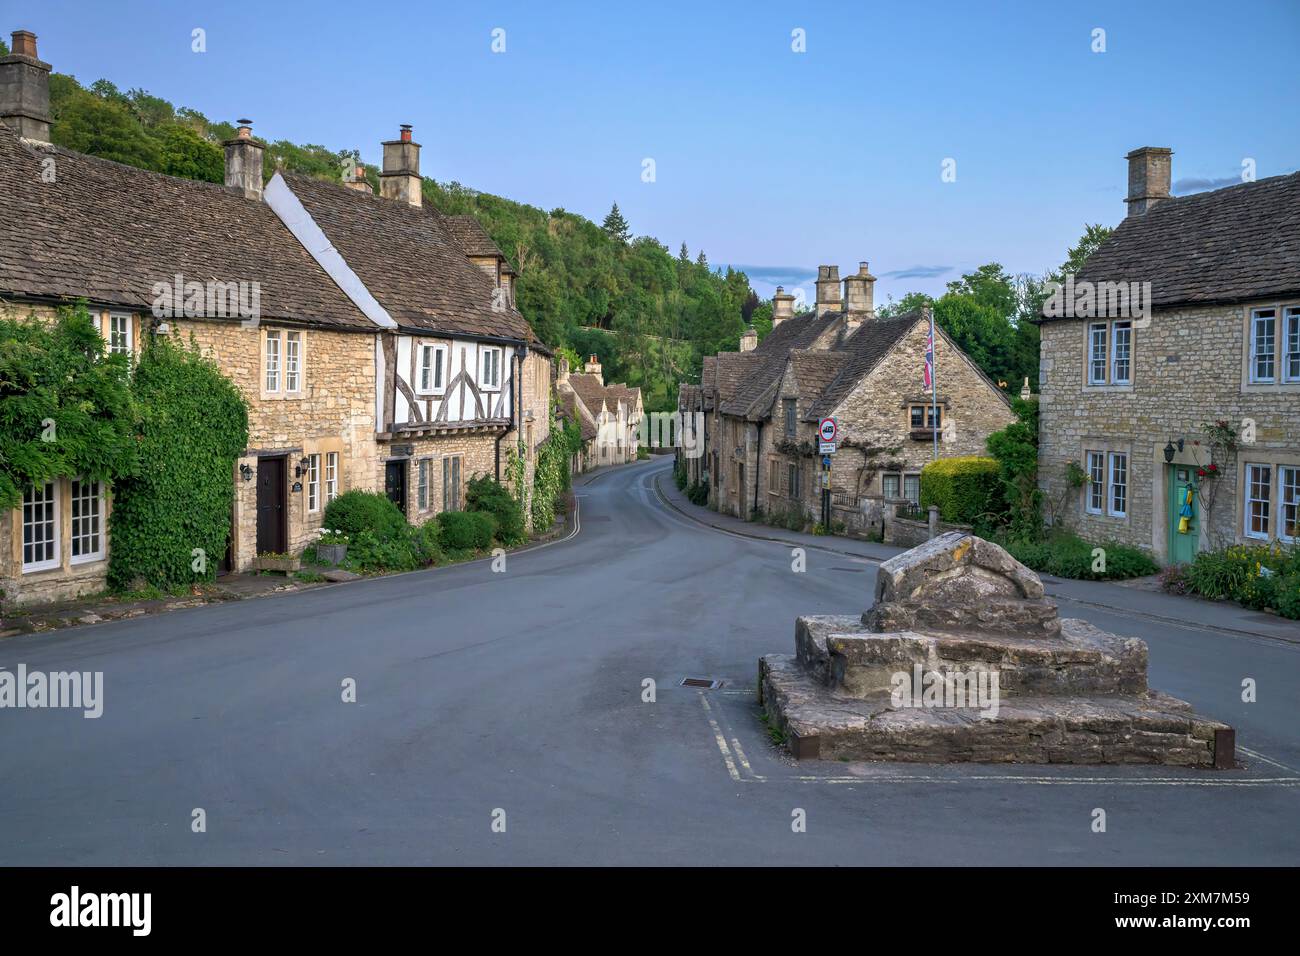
912	302
1092	238
615	226
65	406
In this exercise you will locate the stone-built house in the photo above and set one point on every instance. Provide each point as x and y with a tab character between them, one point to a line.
840	361
386	356
1129	380
614	411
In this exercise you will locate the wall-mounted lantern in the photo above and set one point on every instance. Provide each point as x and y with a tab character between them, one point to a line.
1169	452
246	471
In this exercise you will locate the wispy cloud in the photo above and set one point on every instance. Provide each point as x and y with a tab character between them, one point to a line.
778	275
1195	184
917	272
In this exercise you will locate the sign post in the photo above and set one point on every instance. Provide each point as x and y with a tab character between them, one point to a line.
827	432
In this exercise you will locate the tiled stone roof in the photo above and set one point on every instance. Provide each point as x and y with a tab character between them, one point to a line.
108	232
863	350
753	396
1229	245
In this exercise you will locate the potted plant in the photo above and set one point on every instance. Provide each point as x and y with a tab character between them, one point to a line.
331	547
278	562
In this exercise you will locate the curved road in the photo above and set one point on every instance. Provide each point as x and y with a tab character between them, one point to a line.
521	692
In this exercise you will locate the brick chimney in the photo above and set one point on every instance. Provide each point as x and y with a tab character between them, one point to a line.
25	89
593	368
782	306
400	178
244	161
859	296
1149	170
828	289
561	370
748	339
356	179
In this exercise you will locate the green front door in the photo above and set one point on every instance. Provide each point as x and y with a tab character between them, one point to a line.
1182	544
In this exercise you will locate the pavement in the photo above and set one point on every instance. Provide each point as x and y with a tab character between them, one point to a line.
517	700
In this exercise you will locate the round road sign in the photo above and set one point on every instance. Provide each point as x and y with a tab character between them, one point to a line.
827	430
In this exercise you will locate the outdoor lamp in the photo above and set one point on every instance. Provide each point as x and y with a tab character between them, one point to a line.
1169	451
246	471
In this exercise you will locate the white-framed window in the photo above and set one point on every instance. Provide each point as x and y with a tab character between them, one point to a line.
1263	346
1117	499
451	483
1121	354
1288	498
87	521
1097	353
431	373
422	484
313	482
1259	500
292	361
889	486
491	369
272	360
41	527
331	476
119	333
1291	344
1095	493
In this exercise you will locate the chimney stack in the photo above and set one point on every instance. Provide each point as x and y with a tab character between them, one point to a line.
244	161
859	296
400	178
356	179
593	368
562	370
748	339
25	89
828	289
782	306
1149	170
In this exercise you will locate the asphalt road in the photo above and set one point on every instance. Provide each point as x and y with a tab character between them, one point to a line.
481	692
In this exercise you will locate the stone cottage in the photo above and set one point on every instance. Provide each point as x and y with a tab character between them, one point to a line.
386	356
610	415
1186	318
841	361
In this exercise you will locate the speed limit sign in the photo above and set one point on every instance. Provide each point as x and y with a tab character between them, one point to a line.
827	429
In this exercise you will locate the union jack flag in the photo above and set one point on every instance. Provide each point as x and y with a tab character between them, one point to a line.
929	360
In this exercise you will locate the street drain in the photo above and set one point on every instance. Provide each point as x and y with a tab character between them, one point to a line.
701	682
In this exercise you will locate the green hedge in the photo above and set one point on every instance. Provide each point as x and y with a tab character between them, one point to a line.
963	488
355	511
1066	555
489	496
1258	576
467	530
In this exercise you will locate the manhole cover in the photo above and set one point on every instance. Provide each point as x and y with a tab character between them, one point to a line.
704	682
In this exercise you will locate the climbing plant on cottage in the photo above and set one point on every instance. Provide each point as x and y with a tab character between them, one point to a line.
171	521
65	406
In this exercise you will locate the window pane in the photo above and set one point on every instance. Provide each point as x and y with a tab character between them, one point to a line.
313	482
1119	485
1289	500
1293	345
291	361
1262	345
1097	355
1259	487
331	476
912	488
1121	365
40	541
889	486
272	361
1096	481
918	416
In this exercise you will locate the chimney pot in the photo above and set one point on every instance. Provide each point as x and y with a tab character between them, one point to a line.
748	339
859	296
399	177
1149	174
782	306
828	289
23	43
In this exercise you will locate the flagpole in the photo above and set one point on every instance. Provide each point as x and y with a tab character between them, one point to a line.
934	385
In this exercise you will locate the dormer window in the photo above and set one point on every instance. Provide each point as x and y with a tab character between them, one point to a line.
490	377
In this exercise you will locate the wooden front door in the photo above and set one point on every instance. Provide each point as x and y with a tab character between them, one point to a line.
1182	544
272	535
395	483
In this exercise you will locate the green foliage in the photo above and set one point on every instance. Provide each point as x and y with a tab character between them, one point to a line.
551	477
698	493
355	511
1066	555
1015	448
369	551
1258	576
66	408
965	489
679	474
466	530
616	227
193	427
490	496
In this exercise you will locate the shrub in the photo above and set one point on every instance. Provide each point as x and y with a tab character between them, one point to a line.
1066	555
698	493
1015	448
1258	576
426	543
489	496
466	530
963	488
355	511
193	427
369	552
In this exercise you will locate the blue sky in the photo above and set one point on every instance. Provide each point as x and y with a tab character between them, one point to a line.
764	157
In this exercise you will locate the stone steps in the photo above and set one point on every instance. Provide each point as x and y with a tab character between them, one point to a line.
1144	728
